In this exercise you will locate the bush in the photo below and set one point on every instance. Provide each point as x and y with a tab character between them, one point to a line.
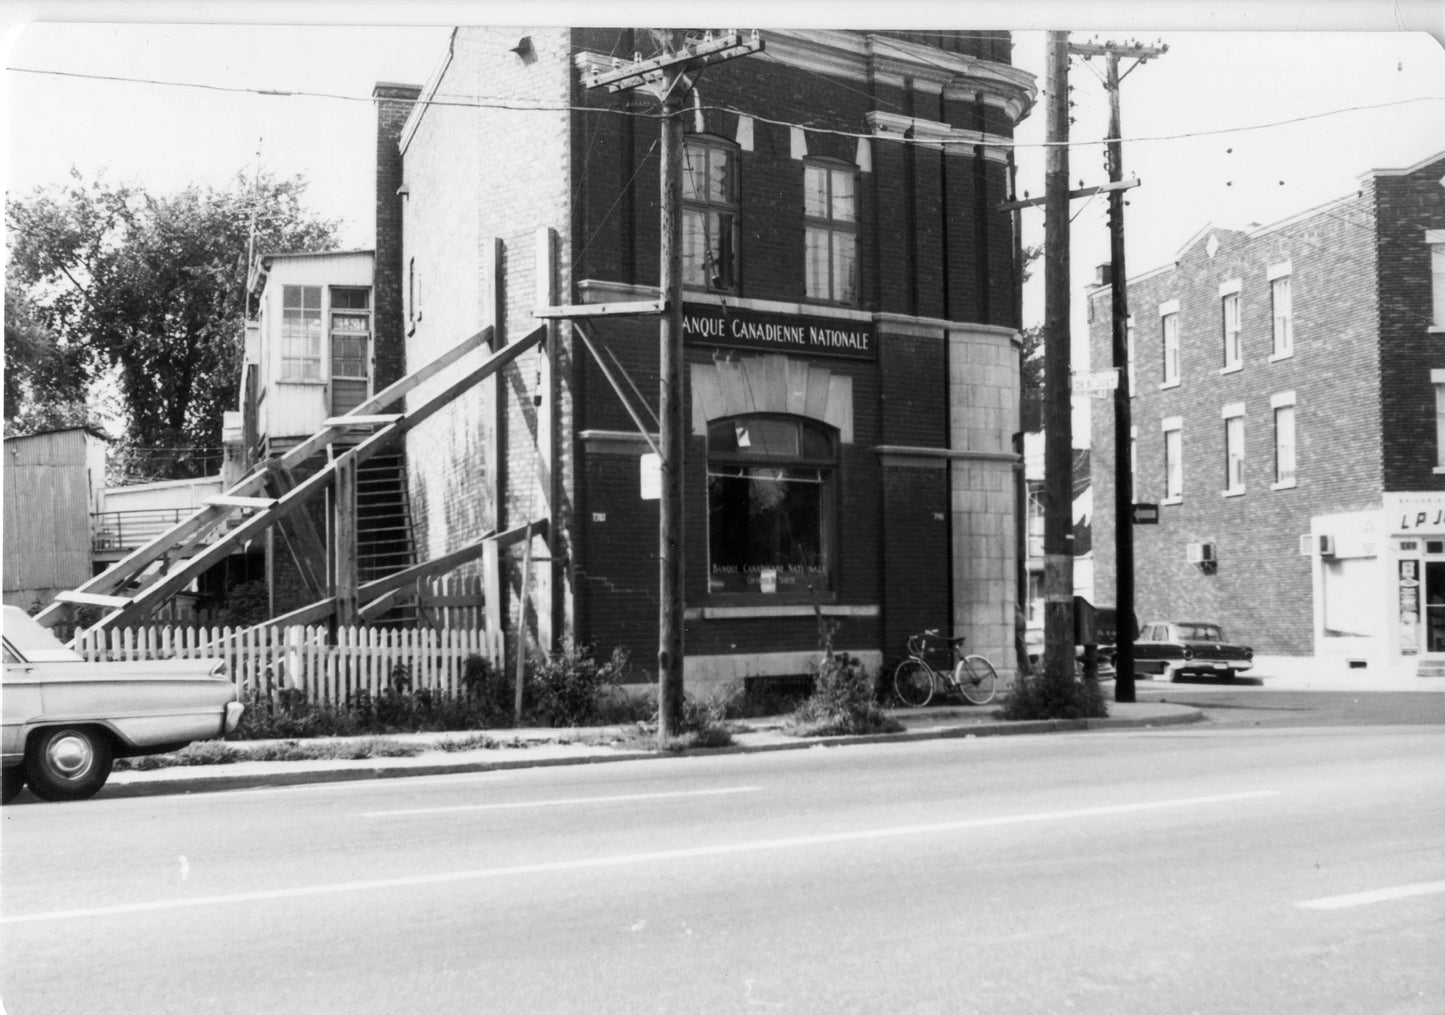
845	696
1037	697
569	688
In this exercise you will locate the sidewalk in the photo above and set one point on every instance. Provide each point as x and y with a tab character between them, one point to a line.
533	748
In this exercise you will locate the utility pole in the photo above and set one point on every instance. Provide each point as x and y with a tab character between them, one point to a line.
1058	422
670	77
1124	689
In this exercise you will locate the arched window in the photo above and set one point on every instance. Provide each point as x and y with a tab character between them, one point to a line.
772	501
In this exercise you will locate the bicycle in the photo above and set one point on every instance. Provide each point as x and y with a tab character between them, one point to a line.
915	681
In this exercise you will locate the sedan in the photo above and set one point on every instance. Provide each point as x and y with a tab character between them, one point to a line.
1174	648
66	719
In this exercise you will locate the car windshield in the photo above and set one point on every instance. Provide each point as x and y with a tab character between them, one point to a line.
1200	632
28	640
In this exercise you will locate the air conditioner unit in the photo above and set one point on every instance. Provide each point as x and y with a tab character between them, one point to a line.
1201	553
1327	546
1306	545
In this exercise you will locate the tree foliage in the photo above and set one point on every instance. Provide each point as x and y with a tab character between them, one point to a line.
113	283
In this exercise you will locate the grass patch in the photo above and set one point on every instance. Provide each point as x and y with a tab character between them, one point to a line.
218	752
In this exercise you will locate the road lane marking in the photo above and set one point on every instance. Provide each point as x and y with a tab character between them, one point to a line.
1378	895
626	798
633	859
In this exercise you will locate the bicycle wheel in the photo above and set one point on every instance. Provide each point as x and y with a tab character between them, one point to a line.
913	683
976	678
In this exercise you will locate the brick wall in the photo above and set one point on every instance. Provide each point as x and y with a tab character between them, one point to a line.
393	106
1406	206
1261	591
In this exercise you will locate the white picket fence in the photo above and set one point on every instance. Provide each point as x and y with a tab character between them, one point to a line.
268	659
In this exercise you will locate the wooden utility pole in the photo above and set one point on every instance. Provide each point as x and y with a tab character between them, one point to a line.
670	547
1124	689
1058	422
670	78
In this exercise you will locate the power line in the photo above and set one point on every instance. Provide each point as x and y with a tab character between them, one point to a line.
469	102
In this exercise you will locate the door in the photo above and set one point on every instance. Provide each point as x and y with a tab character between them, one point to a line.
1435	606
350	349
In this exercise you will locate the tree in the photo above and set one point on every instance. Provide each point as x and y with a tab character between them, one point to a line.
44	382
1031	362
150	291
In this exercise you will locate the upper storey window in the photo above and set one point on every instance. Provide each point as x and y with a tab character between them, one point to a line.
301	333
709	216
830	214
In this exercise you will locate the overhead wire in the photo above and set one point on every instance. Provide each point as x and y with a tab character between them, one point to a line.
474	102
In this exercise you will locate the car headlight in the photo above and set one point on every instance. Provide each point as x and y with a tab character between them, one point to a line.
1188	653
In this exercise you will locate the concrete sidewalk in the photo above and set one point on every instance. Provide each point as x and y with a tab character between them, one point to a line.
531	748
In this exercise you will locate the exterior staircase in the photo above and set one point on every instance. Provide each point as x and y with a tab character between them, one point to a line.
385	541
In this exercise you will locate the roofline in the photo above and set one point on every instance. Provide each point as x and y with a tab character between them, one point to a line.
1288	220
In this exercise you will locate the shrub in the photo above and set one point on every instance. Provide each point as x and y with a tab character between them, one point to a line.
569	688
844	700
1038	697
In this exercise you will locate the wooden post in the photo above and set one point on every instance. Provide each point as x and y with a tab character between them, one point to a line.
670	528
343	549
1123	417
1057	406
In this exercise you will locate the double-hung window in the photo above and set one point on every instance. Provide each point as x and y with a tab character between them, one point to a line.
710	228
1233	416
1437	378
771	487
1284	440
830	232
1436	239
1230	326
1169	329
301	333
1281	306
1173	428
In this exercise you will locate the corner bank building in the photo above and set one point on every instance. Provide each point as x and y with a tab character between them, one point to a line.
852	302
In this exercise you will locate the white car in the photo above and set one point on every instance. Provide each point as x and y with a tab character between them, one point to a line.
65	719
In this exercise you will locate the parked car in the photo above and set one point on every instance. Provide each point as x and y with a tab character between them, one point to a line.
65	719
1174	648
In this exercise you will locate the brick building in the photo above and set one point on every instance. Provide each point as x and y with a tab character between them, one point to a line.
1289	417
851	343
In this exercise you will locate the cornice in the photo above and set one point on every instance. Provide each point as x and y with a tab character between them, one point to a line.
856	56
935	134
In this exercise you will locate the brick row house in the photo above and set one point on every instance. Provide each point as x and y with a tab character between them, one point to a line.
851	338
1288	388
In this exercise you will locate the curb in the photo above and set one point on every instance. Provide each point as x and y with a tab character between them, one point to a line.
183	784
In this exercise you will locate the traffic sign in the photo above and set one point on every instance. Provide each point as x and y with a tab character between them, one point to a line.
1146	514
1099	383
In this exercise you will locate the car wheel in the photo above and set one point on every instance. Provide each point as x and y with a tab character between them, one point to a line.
12	781
67	763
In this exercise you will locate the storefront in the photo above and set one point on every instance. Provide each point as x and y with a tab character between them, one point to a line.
1417	558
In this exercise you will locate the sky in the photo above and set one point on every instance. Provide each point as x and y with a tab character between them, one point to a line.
1257	111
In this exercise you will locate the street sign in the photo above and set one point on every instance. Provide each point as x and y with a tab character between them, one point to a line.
1097	384
1146	514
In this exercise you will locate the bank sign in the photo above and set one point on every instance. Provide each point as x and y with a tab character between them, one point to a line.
705	324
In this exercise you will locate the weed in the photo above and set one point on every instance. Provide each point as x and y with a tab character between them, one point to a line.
568	689
844	698
1038	697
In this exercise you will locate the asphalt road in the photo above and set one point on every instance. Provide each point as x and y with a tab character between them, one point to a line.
1212	868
